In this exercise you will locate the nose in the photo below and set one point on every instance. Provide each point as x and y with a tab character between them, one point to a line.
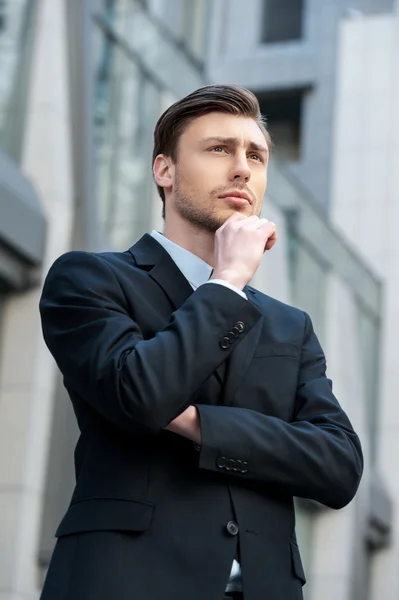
240	170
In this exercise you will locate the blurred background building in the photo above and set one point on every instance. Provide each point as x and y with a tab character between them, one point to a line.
82	83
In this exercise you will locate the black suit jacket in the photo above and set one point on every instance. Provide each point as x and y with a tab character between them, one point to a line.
149	515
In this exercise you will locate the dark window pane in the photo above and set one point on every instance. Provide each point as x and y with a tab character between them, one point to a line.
283	111
282	20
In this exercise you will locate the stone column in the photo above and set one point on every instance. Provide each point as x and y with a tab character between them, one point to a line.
27	371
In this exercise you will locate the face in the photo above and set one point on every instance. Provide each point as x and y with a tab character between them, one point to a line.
221	168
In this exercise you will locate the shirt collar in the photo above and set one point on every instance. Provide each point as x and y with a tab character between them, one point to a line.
194	269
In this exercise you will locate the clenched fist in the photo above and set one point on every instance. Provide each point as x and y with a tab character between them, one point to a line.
239	246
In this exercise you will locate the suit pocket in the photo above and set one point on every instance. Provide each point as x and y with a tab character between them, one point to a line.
297	562
276	349
105	514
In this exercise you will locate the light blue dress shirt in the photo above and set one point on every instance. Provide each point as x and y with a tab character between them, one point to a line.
197	272
194	269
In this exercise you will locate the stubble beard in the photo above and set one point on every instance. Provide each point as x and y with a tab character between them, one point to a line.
207	219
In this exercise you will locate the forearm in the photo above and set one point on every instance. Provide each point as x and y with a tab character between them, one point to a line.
187	425
319	460
134	382
160	375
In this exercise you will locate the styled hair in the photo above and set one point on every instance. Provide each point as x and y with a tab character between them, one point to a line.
230	99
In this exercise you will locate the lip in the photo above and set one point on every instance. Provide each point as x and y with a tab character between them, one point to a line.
236	201
234	195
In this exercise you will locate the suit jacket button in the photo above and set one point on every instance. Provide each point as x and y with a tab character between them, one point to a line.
230	464
240	326
235	331
225	342
232	528
221	462
244	467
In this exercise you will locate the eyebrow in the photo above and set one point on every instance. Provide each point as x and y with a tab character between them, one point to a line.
231	141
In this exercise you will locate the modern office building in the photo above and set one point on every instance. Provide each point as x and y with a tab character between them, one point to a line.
326	74
81	86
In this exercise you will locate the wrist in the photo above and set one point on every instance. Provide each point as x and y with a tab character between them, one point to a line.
230	277
191	425
187	425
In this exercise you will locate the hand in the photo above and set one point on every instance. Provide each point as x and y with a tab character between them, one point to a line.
187	424
239	246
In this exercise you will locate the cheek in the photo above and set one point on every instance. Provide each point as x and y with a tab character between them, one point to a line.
190	173
259	183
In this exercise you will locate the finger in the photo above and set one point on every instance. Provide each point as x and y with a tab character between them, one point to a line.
251	221
269	244
236	216
270	225
271	241
262	223
268	230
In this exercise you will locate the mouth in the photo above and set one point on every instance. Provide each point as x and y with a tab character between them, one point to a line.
237	197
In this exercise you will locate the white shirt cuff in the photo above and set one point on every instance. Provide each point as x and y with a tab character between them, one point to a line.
233	288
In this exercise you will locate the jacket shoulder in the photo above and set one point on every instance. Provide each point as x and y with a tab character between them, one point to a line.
269	303
82	258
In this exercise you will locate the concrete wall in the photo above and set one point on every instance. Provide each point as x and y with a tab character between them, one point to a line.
365	205
27	372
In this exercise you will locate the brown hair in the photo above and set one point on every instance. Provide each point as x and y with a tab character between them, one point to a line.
231	99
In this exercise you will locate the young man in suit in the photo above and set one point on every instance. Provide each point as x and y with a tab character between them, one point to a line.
203	404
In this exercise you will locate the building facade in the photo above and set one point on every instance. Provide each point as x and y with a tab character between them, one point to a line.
81	86
365	199
326	75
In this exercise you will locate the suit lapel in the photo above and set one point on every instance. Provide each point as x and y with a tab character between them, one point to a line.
241	357
148	253
151	256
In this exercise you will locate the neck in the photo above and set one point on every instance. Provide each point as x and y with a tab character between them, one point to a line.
199	242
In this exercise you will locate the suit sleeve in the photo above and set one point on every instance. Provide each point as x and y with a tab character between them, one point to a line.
135	384
317	455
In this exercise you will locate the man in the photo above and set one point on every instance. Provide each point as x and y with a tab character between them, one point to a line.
203	405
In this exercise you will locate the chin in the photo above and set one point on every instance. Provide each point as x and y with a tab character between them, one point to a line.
247	210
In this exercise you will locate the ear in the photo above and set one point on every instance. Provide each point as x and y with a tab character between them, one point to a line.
164	171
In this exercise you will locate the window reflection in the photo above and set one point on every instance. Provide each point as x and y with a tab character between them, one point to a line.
127	106
16	36
282	20
193	26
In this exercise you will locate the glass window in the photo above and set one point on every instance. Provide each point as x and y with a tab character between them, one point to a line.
17	19
307	273
127	107
369	348
184	21
309	287
283	111
282	20
193	26
148	43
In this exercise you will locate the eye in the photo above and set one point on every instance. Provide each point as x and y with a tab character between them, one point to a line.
218	149
257	157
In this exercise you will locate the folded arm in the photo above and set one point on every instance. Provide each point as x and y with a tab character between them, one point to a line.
136	384
317	455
